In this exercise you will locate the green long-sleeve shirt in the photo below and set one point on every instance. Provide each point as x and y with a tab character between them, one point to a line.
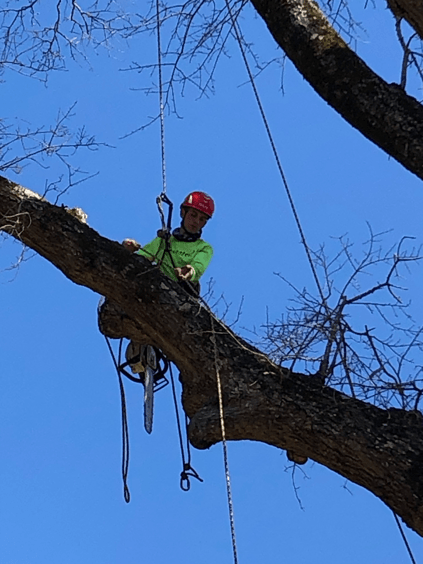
196	253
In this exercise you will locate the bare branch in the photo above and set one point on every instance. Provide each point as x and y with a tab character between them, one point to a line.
20	145
377	363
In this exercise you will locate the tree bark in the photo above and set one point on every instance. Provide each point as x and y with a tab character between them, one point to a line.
409	10
382	450
382	112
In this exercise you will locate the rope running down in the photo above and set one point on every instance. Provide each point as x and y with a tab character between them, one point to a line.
275	152
291	201
225	448
162	123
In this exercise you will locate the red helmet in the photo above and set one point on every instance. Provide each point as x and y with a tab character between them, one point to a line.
199	201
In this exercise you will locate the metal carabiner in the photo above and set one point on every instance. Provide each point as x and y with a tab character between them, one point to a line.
166	226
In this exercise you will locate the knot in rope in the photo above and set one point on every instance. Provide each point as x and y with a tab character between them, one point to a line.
187	473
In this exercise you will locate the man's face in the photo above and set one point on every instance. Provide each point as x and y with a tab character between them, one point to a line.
194	220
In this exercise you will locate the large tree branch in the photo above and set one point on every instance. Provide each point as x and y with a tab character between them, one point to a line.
380	450
383	112
411	11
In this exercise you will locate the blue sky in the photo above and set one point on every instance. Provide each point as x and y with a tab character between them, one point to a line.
60	482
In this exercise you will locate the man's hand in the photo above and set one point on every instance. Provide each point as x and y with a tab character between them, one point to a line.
131	245
185	273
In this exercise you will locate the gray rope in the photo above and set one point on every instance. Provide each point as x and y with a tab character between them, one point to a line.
291	202
225	448
162	123
275	152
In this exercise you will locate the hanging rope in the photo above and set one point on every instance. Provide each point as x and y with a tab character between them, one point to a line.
187	470
404	538
166	229
162	123
293	208
125	431
274	150
225	448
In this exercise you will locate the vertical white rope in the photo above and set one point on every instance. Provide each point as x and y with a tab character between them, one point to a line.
225	448
219	384
162	123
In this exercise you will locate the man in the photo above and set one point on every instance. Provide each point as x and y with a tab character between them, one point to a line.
185	256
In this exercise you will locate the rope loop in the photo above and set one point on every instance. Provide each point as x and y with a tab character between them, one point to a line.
184	483
124	416
187	473
187	470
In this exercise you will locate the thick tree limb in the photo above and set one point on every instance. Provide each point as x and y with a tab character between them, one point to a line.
380	450
411	11
382	112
